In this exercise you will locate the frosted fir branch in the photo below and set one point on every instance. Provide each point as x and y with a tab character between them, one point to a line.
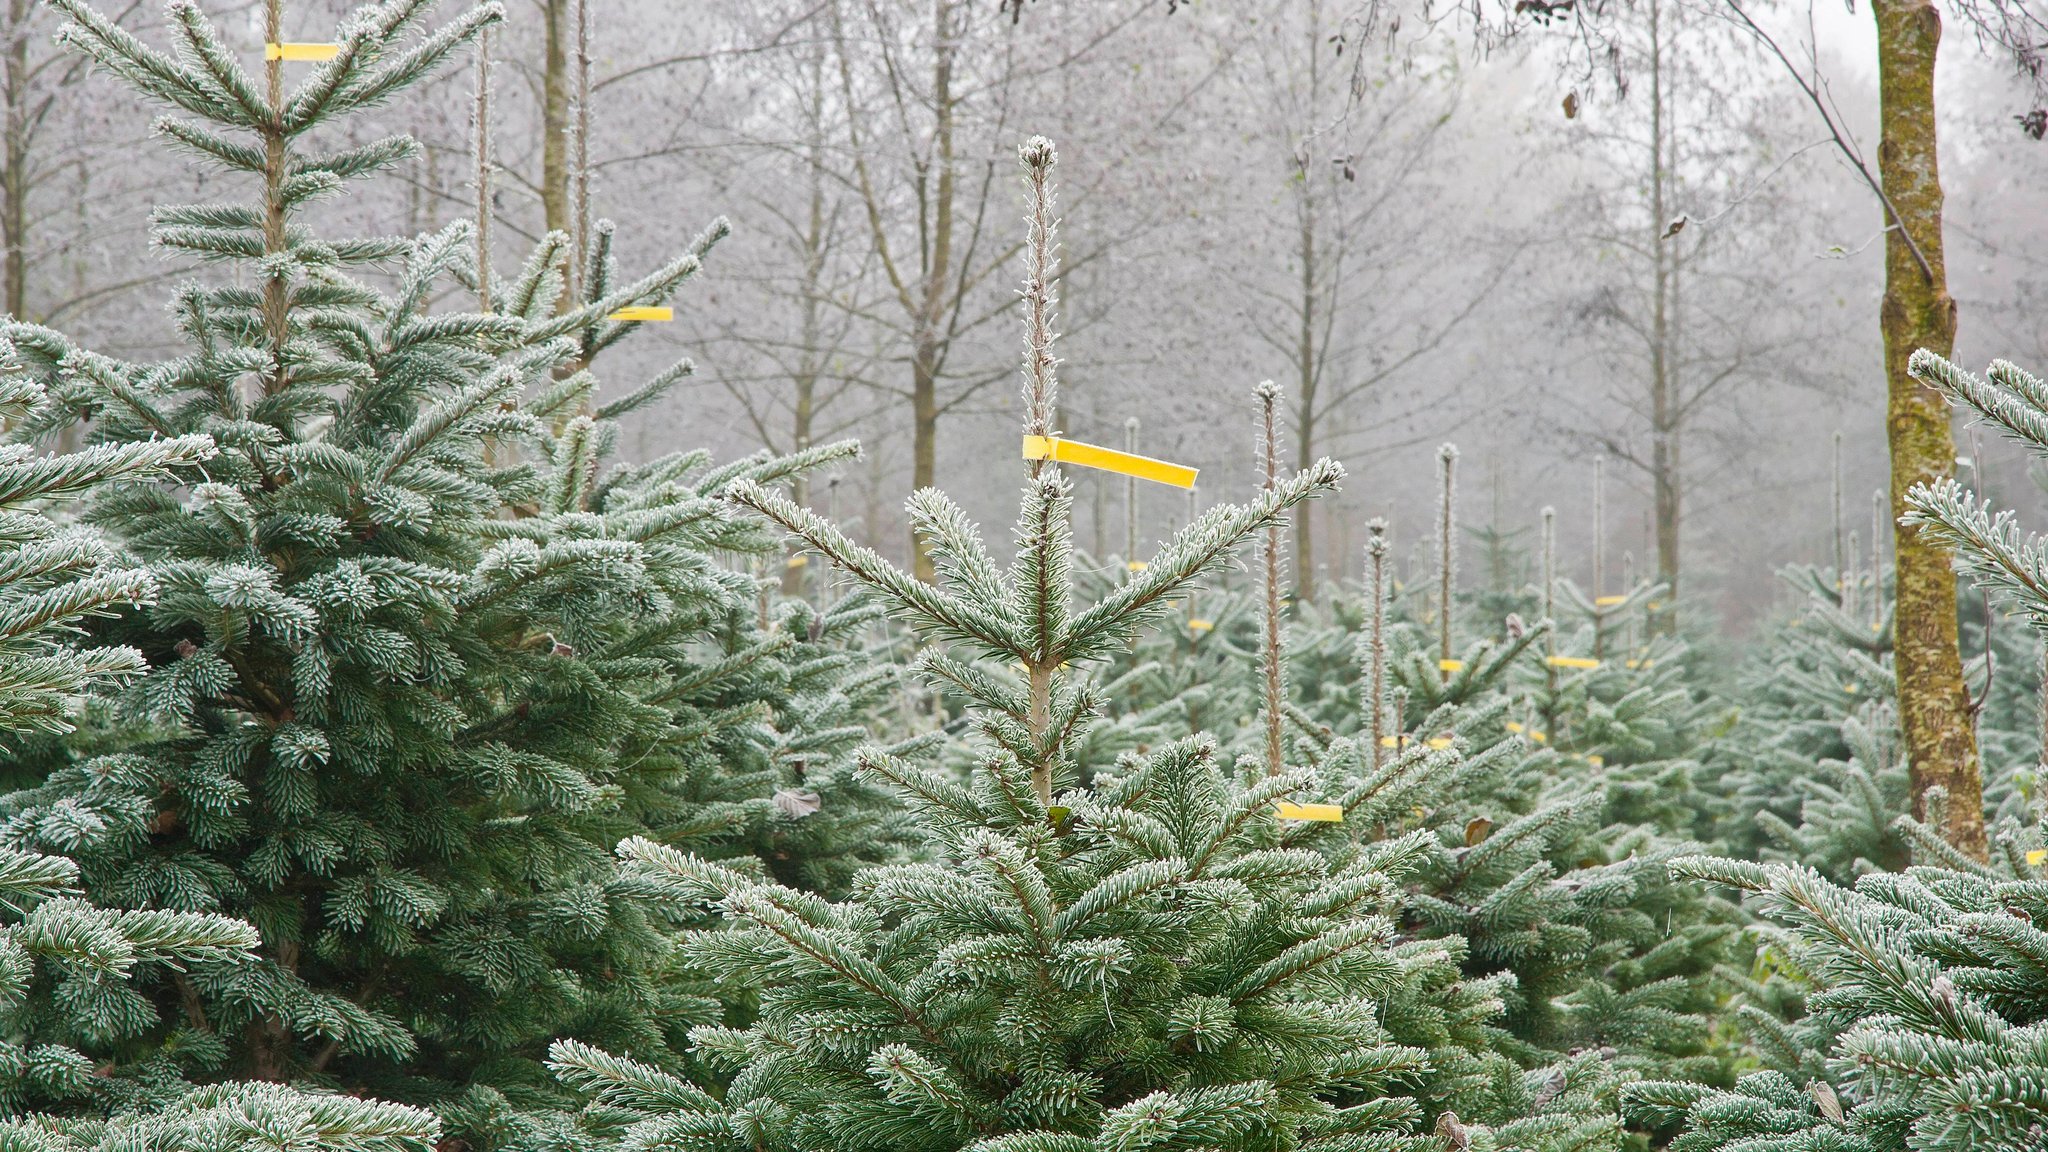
429	257
971	682
202	142
430	426
651	391
203	48
1989	548
361	160
939	797
540	279
337	88
1041	579
73	473
776	468
618	1082
656	287
2011	399
1199	550
149	71
954	544
931	610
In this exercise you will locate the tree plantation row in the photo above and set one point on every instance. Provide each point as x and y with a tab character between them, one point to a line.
395	758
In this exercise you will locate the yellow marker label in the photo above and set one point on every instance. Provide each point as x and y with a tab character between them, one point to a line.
1200	625
1450	665
1609	601
1596	761
1573	662
1640	663
1392	741
799	561
1108	460
2037	857
643	314
1531	733
1137	566
1330	813
1440	742
1849	688
301	51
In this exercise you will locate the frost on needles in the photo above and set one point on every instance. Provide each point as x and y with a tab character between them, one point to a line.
420	653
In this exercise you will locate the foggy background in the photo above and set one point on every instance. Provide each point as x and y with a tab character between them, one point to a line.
1369	200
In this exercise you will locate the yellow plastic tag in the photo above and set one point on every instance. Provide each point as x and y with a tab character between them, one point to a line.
1200	625
1450	665
1640	663
2037	857
1392	741
1137	566
799	561
1596	761
643	314
1609	601
1440	742
1330	813
1849	688
301	51
1531	733
1573	662
1108	460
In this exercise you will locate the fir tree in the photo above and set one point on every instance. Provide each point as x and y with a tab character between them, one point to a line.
420	658
1137	963
69	969
1923	999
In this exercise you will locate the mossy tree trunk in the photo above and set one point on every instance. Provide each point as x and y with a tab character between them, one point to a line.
1934	703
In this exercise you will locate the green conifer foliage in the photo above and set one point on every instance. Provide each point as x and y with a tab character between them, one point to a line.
420	657
1139	963
1924	996
1925	1000
69	969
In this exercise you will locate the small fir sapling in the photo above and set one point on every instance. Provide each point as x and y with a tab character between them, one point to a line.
1134	965
1272	650
1447	551
1375	640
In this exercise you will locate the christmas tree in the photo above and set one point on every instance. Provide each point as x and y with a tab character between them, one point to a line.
68	968
1138	962
1918	1004
419	657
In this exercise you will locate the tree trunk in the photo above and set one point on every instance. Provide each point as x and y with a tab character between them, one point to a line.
554	112
924	442
1934	705
14	182
1305	358
1664	413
